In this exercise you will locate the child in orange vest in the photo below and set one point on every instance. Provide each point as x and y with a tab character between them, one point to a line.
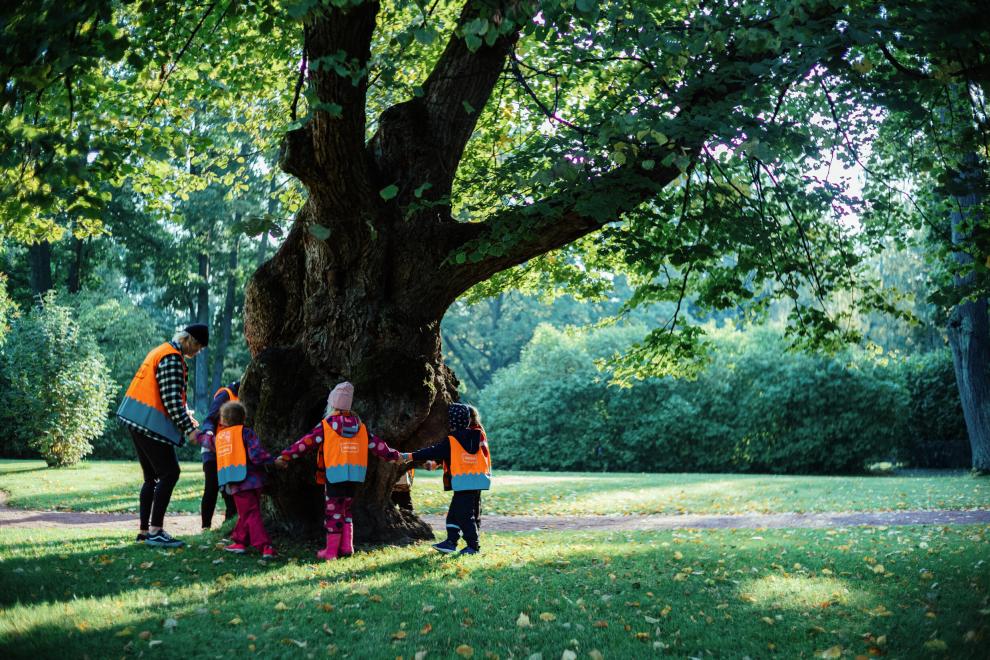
467	470
343	443
240	471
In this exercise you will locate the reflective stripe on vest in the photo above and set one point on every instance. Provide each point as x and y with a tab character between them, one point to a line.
142	402
470	471
346	459
231	455
230	394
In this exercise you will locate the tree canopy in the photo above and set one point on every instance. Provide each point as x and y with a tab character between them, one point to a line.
702	149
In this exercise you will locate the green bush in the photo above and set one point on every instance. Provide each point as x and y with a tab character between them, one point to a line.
123	333
56	390
938	437
757	407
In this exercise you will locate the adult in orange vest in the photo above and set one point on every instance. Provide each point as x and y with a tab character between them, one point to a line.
154	411
467	470
211	486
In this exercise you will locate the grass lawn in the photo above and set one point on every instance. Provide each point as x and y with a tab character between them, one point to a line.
904	592
113	486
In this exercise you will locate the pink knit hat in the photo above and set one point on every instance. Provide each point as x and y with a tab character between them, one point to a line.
342	396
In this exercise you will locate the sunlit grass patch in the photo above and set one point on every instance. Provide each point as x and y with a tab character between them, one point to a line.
792	593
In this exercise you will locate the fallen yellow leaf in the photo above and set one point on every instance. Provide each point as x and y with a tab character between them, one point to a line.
523	620
464	651
830	652
548	616
280	606
936	645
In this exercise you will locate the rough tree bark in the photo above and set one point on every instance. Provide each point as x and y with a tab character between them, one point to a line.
357	290
969	338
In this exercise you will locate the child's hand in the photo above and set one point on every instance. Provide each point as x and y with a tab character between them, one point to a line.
404	457
430	465
281	463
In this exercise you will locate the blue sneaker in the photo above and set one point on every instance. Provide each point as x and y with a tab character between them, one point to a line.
446	547
162	539
470	551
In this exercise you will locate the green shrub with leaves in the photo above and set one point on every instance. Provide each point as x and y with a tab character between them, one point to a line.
938	437
123	333
56	390
757	407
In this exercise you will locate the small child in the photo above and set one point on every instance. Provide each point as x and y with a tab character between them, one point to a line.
211	487
342	461
467	470
240	458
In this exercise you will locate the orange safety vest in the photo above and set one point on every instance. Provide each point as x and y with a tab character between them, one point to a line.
345	459
142	402
470	471
231	454
230	394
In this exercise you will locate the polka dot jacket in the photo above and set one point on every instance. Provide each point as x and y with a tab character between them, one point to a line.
347	426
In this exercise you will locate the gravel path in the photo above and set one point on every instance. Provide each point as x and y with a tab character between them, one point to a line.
189	524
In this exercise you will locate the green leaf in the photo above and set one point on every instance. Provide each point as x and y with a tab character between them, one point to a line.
320	232
425	35
468	108
389	192
422	189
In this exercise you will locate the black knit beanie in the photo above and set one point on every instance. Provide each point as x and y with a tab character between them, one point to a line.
199	332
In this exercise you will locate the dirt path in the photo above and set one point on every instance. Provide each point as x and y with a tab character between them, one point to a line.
189	524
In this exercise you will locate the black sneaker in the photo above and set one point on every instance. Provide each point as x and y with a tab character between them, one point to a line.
446	547
163	539
141	537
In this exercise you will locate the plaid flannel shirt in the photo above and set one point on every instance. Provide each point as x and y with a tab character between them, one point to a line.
171	385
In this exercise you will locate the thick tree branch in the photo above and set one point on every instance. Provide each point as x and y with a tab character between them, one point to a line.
337	48
518	234
429	133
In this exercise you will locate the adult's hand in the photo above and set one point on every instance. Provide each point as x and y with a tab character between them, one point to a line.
192	437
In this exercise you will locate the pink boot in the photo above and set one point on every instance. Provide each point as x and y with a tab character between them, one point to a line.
332	550
347	542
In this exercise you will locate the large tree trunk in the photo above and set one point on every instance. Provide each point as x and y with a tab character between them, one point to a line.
319	313
40	259
969	337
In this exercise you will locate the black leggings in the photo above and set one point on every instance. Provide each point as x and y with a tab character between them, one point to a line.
464	516
161	472
211	486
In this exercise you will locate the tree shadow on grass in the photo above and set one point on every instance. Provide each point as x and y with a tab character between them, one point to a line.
619	593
